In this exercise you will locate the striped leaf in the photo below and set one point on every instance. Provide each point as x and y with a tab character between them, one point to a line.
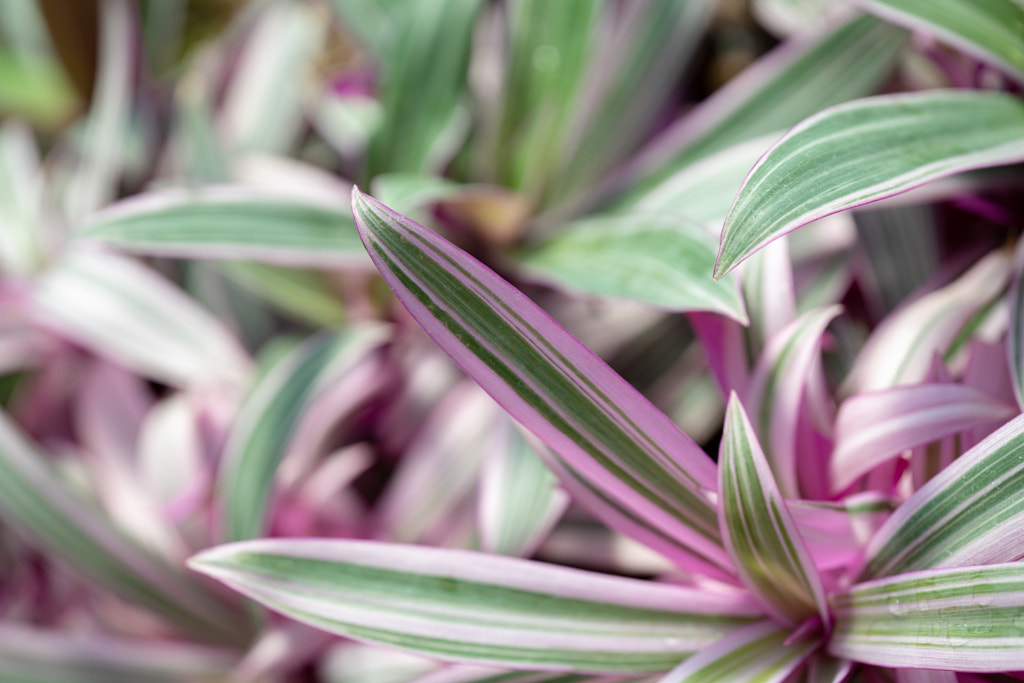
777	389
867	150
1015	333
759	652
970	513
268	419
963	619
36	502
874	427
479	608
821	67
992	30
229	222
126	312
759	530
29	655
660	261
603	431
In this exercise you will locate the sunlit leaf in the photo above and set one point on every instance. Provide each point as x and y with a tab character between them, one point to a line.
867	150
478	608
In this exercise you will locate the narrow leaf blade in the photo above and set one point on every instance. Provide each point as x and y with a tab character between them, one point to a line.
601	427
478	608
867	150
759	530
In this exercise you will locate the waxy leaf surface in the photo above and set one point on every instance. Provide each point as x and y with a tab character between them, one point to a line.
479	608
867	150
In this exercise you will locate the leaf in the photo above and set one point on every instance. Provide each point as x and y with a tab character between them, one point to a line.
970	513
520	500
126	312
480	608
304	295
231	223
269	416
759	531
660	261
759	652
874	427
823	66
963	619
1015	331
603	431
777	389
426	55
31	655
35	501
992	30
867	150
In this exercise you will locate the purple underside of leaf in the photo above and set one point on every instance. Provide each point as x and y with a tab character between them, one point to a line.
877	426
614	440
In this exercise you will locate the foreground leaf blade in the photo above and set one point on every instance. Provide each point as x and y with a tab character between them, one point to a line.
867	150
970	513
605	431
478	608
759	530
963	619
235	223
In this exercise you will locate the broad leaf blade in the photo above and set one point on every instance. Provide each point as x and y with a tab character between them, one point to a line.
867	150
990	29
34	501
758	652
233	223
268	419
602	428
759	530
964	619
663	262
970	513
478	608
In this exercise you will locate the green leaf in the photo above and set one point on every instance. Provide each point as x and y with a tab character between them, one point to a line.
825	66
963	619
990	29
473	607
36	502
229	222
268	419
759	652
868	150
305	295
660	261
970	513
760	533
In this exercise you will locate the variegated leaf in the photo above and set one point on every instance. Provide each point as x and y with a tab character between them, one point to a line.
609	436
970	513
963	619
472	607
867	150
759	531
